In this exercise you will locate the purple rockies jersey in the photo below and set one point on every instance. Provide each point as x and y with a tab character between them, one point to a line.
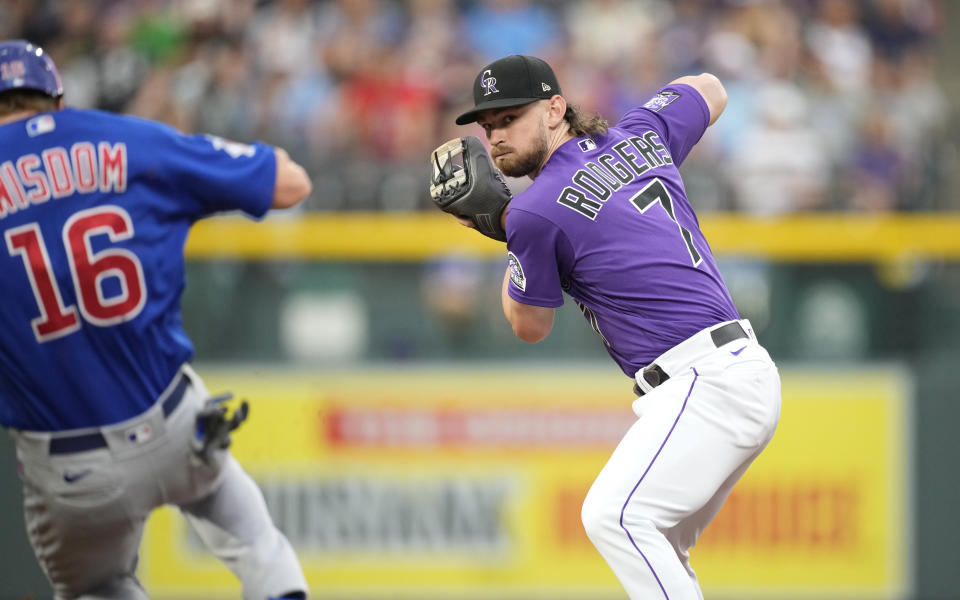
608	222
94	210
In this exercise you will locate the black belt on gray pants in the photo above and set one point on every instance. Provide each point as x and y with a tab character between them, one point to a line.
654	375
68	444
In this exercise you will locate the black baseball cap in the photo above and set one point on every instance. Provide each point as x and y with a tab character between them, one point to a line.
511	81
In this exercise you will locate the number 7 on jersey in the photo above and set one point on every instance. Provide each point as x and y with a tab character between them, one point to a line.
655	192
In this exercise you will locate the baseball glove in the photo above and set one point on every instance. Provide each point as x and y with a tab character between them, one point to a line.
467	184
213	426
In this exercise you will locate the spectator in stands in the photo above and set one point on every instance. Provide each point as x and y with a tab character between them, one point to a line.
366	81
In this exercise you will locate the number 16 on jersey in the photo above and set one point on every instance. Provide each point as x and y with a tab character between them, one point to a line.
88	270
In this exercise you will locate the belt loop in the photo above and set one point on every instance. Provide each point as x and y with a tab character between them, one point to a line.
648	378
641	386
171	402
727	333
653	374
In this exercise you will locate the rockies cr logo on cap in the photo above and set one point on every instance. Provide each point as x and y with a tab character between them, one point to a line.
488	82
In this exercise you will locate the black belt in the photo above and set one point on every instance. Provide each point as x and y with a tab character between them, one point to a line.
68	444
654	375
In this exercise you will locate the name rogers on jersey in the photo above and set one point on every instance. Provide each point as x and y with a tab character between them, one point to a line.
58	172
595	183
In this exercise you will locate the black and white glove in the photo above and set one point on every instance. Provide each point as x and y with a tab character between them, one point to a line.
213	426
467	184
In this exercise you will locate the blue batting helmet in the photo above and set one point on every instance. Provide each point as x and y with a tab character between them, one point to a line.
24	66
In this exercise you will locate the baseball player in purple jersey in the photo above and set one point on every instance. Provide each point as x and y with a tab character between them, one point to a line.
107	416
607	221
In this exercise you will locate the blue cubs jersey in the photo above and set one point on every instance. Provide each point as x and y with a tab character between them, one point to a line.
94	212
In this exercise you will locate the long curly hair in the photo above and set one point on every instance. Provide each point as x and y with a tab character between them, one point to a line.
582	125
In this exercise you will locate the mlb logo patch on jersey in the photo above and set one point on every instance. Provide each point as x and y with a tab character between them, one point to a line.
661	100
40	125
516	272
587	145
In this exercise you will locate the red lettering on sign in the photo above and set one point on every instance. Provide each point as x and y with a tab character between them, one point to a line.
818	516
451	427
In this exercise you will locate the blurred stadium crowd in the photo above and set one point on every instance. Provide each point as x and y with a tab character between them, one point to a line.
834	104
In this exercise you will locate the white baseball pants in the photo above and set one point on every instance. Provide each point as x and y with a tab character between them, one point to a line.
695	436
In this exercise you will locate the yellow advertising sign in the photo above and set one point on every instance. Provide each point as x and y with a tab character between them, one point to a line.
446	483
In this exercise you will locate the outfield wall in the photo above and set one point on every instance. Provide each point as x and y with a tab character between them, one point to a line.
409	484
837	299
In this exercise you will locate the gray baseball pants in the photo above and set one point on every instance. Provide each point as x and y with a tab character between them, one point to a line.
85	510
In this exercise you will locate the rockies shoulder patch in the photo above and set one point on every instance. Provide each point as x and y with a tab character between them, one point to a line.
516	272
661	100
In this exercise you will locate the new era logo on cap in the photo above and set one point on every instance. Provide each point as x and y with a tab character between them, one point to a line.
511	81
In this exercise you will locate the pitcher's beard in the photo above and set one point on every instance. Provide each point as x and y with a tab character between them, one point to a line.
516	165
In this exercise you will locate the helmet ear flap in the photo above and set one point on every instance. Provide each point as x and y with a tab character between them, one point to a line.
25	66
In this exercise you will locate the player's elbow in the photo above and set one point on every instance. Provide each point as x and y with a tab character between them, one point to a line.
295	187
530	323
714	94
529	333
299	189
292	183
710	89
532	326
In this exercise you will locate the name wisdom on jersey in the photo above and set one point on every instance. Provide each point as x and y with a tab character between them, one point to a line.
59	172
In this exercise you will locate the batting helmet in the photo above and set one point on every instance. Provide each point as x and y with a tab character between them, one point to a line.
24	66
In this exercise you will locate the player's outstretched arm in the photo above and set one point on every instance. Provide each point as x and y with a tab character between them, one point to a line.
711	89
530	323
292	185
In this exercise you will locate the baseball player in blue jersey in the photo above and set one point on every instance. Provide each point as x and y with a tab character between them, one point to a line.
607	221
108	419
